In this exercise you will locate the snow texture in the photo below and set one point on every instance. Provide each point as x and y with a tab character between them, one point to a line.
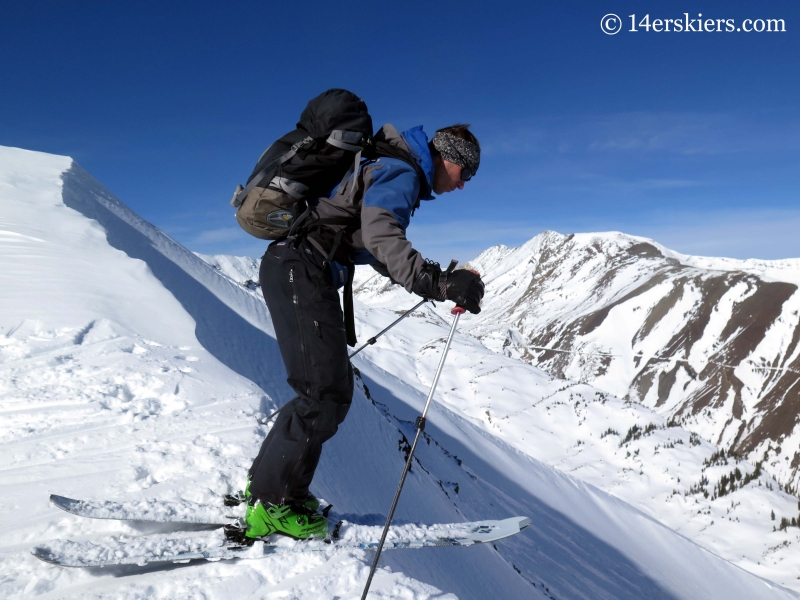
131	370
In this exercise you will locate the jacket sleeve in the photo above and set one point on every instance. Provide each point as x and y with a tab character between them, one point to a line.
391	191
380	268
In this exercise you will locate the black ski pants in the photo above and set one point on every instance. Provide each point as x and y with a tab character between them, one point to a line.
309	325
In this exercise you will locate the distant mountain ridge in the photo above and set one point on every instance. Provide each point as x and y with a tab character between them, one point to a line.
711	343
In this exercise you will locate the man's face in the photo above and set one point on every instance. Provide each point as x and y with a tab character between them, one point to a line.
446	176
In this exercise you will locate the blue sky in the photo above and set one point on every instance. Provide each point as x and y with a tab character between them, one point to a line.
691	138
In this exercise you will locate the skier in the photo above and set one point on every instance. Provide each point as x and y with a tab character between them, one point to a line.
362	222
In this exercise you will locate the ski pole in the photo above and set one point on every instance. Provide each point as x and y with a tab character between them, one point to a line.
457	312
369	342
374	338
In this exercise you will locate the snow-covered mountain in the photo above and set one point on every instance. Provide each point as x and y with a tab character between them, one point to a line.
709	343
729	505
130	368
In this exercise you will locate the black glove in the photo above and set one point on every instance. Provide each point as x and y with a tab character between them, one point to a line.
465	288
427	282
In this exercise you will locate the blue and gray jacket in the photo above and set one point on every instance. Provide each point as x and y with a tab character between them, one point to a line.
388	190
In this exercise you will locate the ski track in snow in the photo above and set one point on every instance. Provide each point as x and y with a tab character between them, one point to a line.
131	370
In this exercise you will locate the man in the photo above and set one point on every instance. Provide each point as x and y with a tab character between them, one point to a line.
362	222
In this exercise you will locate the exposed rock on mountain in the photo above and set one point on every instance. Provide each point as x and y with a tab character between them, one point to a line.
711	343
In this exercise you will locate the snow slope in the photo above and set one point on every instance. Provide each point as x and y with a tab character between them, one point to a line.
711	342
119	353
130	368
619	446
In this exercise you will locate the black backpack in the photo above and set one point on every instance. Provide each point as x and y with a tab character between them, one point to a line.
332	133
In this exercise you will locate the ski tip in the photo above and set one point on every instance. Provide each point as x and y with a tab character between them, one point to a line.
62	502
44	554
524	523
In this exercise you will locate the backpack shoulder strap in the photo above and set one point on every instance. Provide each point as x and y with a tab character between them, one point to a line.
354	142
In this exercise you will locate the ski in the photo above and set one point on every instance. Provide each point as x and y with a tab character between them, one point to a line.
159	511
177	548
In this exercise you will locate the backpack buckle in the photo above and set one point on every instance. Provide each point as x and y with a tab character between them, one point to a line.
304	142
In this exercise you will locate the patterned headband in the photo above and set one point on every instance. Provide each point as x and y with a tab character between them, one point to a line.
458	151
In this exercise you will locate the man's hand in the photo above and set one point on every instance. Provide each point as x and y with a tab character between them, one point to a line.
465	288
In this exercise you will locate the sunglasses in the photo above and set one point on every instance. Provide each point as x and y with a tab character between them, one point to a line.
466	174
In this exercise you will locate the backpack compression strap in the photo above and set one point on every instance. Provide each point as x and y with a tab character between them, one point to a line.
340	138
241	194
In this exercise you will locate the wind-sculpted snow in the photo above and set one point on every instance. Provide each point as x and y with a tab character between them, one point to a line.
131	370
241	269
229	321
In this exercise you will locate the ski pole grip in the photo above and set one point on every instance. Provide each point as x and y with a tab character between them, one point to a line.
456	310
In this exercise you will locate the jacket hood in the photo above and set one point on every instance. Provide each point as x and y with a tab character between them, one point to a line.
417	141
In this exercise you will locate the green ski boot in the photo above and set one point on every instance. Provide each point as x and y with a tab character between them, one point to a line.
263	520
311	503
